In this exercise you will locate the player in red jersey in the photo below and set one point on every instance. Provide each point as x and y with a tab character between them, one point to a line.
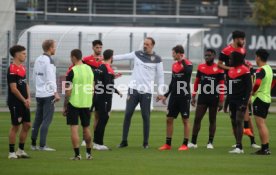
103	104
19	101
240	86
179	101
238	46
94	61
208	76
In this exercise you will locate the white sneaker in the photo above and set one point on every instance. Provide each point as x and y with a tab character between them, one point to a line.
254	145
46	148
22	154
34	148
191	145
210	146
100	147
83	143
104	147
88	156
76	157
95	145
234	146
236	151
12	155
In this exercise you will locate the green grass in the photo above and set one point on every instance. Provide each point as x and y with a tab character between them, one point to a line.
135	160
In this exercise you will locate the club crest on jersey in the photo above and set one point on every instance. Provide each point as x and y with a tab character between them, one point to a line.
215	69
19	119
152	58
239	70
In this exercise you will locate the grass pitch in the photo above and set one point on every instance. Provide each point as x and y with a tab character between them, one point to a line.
136	160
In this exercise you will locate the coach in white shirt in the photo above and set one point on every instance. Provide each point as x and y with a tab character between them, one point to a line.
147	65
44	76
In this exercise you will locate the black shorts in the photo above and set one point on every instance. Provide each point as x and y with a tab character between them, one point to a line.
260	108
74	113
208	100
19	114
179	105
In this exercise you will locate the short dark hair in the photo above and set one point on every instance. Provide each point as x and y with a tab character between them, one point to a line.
238	34
76	53
97	42
47	44
152	40
263	54
237	58
178	49
211	50
16	48
107	54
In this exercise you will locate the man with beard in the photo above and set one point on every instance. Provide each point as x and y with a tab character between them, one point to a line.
103	104
238	46
147	65
94	61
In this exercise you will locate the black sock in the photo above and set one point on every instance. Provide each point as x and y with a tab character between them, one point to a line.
239	145
33	142
194	139
246	124
185	141
21	146
168	141
252	140
77	151
88	150
211	138
265	146
11	148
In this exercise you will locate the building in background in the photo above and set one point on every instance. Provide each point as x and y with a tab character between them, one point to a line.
7	30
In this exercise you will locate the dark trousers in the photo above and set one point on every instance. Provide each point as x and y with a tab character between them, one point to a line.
103	111
43	117
134	97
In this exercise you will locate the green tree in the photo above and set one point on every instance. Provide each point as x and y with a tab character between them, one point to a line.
264	12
